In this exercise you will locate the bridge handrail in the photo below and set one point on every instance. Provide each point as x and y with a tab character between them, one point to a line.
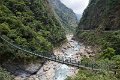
56	58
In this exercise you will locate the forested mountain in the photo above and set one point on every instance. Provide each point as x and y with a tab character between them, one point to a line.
99	27
30	23
41	25
25	20
99	13
65	15
101	17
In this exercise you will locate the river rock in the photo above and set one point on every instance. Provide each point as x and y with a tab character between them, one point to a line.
31	78
65	48
18	78
46	68
34	77
48	71
91	55
73	38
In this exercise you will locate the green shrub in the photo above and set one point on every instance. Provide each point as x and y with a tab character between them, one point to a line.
108	53
90	75
4	75
30	24
4	28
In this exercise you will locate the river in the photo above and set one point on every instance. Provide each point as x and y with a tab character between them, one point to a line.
56	71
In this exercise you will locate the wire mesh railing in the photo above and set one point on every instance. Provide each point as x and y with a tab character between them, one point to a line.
61	59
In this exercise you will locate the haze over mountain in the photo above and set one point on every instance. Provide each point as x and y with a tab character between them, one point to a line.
65	15
79	16
77	6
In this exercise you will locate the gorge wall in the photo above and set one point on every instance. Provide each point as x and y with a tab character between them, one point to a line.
65	15
30	23
104	14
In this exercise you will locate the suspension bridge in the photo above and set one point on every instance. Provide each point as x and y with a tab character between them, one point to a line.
62	60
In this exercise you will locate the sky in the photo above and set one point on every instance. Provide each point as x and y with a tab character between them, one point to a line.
77	6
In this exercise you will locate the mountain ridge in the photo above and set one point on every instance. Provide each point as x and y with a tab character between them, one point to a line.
99	13
65	15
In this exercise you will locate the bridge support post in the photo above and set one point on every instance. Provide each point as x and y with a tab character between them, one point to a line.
43	54
58	58
70	60
86	64
55	58
61	59
78	63
75	61
92	66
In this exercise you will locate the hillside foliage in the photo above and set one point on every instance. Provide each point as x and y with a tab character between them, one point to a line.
4	75
31	24
99	27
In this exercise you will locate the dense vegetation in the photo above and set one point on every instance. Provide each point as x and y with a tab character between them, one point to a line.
101	13
29	23
90	75
108	45
65	15
4	75
99	27
102	60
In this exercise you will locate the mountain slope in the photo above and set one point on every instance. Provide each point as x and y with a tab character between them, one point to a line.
29	23
99	27
66	16
100	24
101	13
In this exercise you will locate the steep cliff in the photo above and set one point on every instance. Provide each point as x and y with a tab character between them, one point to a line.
104	14
99	24
66	16
99	27
29	23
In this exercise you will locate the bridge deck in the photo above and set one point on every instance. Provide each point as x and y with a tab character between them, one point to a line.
58	59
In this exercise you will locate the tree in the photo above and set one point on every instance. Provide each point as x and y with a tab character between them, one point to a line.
108	53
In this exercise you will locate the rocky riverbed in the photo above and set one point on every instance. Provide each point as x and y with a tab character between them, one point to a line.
56	71
52	70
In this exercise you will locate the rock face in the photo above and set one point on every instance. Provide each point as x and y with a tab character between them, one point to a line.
65	15
103	14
